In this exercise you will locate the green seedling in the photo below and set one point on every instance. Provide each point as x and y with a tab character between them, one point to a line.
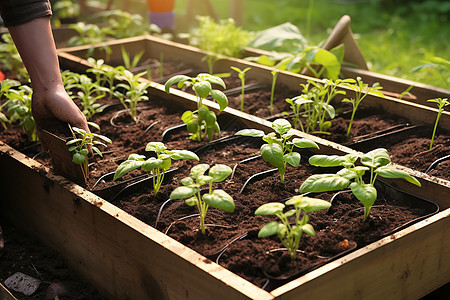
89	92
290	234
135	91
201	122
441	102
279	151
377	162
80	146
128	62
191	190
272	90
241	74
105	75
361	90
18	109
157	166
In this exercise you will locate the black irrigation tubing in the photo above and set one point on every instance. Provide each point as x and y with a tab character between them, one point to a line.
436	162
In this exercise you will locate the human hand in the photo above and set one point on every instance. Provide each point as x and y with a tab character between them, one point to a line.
53	107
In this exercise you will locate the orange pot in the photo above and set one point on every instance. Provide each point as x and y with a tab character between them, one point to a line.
160	6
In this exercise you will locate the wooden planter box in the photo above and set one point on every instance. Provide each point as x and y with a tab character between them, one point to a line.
128	259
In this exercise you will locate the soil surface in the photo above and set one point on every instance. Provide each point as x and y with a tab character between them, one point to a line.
337	230
25	254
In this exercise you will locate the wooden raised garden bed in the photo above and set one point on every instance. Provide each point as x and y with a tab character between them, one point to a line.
127	258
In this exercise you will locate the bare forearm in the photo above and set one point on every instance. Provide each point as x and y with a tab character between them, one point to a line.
34	41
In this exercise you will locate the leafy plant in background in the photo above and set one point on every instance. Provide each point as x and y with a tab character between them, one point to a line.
219	39
18	109
241	74
440	64
377	162
361	90
89	34
279	150
441	102
128	62
191	189
65	10
201	122
80	146
290	234
6	85
11	60
157	166
135	91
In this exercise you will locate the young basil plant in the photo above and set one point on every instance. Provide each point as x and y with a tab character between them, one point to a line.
361	90
441	102
279	150
241	74
289	233
157	166
80	146
191	190
377	162
201	122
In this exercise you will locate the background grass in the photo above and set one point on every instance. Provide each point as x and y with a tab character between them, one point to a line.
394	36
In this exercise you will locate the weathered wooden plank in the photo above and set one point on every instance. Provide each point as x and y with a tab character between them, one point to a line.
123	257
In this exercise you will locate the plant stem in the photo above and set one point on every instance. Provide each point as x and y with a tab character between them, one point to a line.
435	128
274	80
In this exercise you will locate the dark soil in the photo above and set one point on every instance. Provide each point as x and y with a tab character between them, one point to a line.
25	254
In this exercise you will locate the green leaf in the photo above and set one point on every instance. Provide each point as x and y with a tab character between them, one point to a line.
173	80
152	163
325	58
308	229
271	208
182	192
188	181
281	126
219	199
250	132
366	193
324	183
269	229
304	143
212	79
219	172
376	158
192	201
292	158
187	116
308	204
133	162
390	171
326	160
155	146
198	170
183	154
220	98
78	158
273	154
202	89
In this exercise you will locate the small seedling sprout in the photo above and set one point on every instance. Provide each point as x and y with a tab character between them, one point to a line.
157	166
441	102
288	233
361	90
279	151
191	190
80	146
241	74
377	162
